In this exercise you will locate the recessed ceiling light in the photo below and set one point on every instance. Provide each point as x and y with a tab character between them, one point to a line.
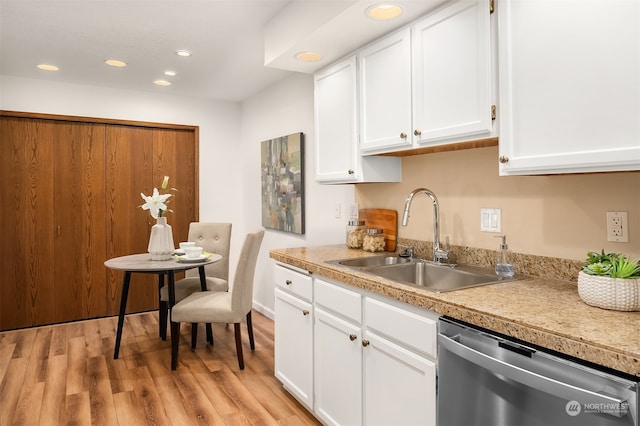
183	53
115	63
308	56
384	11
162	83
170	73
47	67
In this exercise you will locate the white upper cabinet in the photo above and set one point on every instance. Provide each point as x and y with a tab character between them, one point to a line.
338	158
452	77
429	84
569	86
385	93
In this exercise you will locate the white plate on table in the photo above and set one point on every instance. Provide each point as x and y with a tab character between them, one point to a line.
186	259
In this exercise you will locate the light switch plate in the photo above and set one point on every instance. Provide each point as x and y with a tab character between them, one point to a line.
491	220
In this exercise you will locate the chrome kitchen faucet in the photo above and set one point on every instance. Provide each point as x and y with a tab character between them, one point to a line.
438	253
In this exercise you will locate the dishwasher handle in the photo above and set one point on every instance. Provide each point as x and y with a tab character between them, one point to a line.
545	384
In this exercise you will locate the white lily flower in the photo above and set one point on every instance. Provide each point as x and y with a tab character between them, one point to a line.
156	203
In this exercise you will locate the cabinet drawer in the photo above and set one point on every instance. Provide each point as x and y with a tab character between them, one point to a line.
403	326
340	300
293	282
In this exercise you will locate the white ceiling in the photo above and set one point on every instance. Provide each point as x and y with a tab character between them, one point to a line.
228	39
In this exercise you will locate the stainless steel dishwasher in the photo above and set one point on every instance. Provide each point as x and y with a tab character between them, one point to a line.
486	379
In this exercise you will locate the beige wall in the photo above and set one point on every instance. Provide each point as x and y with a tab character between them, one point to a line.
559	216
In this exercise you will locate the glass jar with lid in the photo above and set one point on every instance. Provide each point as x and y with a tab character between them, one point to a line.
374	240
355	233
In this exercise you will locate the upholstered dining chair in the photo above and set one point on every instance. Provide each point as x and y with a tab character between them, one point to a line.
215	238
221	306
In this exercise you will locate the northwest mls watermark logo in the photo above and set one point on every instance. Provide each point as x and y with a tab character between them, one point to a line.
573	408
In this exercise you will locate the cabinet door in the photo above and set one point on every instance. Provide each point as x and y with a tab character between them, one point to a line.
385	93
336	122
452	73
26	222
569	86
294	346
80	213
338	370
399	385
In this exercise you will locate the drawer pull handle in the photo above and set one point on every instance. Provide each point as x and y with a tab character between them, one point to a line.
288	282
403	135
503	159
350	171
417	132
352	337
305	312
365	343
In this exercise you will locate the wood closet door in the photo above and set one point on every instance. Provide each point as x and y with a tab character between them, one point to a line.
80	213
174	156
26	222
129	173
137	160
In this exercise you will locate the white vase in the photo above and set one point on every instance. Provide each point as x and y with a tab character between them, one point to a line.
161	240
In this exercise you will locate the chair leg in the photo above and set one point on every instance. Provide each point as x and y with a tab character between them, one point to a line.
163	317
194	334
250	331
175	341
236	327
209	334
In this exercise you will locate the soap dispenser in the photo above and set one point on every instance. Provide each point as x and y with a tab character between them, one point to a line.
504	267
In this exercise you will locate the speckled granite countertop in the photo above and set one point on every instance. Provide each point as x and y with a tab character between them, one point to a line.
548	313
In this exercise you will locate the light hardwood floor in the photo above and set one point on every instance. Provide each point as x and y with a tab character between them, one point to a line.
66	375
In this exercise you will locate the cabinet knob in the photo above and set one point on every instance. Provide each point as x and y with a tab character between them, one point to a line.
352	337
305	312
403	135
417	132
288	282
503	159
365	343
350	171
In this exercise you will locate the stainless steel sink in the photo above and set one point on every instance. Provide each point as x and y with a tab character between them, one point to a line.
423	274
363	262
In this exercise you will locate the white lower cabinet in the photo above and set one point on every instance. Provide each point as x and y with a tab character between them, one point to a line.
351	356
399	378
338	370
294	333
380	373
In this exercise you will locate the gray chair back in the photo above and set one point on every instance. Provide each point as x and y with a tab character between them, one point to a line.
215	238
242	290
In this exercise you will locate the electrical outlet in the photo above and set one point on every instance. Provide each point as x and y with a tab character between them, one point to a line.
617	227
338	211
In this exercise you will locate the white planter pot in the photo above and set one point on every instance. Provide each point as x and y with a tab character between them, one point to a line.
620	294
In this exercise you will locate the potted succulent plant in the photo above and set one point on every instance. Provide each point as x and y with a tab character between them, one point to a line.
610	281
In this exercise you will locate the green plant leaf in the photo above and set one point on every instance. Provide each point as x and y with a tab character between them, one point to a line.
624	267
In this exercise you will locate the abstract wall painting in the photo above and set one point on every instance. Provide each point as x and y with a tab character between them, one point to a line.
282	162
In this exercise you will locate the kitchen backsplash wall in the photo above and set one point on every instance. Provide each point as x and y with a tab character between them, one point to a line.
561	216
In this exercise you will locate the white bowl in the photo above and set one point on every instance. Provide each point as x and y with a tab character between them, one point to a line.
193	252
185	244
